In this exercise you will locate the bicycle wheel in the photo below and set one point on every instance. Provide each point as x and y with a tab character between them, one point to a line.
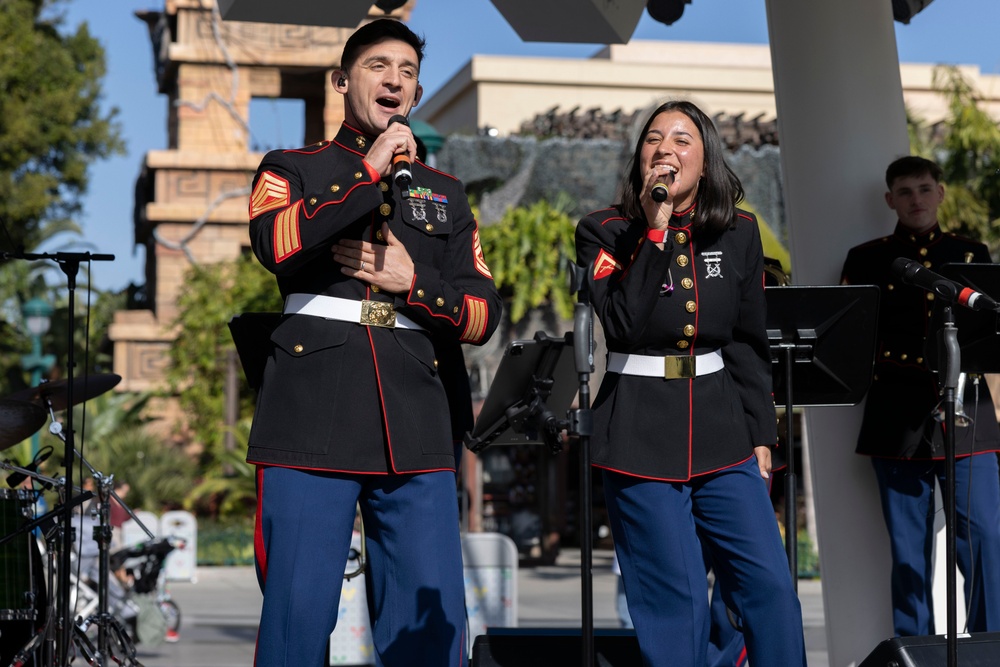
172	613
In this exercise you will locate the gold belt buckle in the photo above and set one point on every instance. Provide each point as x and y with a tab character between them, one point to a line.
378	314
676	367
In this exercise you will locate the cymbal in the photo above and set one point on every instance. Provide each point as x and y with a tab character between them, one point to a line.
57	391
19	420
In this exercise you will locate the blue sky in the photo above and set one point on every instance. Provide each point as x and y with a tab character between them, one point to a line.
947	31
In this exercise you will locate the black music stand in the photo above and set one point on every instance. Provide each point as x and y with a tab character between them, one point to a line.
822	342
534	383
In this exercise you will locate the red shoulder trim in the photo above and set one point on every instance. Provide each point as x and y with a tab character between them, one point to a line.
436	171
310	150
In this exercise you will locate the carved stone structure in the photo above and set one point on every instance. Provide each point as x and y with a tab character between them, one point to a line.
191	197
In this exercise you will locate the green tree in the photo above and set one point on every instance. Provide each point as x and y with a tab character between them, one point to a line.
212	295
52	128
529	252
967	146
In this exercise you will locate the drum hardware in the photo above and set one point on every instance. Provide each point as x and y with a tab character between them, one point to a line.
44	636
52	395
113	644
17	590
109	628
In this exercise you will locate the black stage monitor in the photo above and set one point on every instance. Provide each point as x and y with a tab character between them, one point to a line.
534	386
829	332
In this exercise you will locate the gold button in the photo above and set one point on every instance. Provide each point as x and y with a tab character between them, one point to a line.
920	360
312	201
687	283
681	238
903	357
375	288
933	234
923	252
360	141
435	363
378	235
439	301
691	306
682	344
455	309
890	287
357	175
930	297
688	330
420	294
334	188
682	260
886	354
385	209
927	264
429	227
298	348
383	186
968	257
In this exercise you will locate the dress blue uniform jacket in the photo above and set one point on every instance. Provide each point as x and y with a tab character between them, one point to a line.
701	293
898	421
339	396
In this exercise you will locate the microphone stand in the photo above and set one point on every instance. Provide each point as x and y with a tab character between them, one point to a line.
582	423
69	263
948	342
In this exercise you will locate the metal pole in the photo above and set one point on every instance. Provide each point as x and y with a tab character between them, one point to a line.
791	520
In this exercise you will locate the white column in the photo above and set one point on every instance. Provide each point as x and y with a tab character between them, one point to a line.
841	121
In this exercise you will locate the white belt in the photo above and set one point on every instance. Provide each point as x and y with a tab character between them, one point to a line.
670	367
368	313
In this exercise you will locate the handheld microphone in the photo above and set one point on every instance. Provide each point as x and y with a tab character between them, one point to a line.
14	479
659	193
401	163
913	273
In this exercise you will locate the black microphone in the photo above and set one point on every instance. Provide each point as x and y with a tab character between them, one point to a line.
914	273
659	193
15	479
401	163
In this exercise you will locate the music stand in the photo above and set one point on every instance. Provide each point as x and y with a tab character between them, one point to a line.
822	342
534	382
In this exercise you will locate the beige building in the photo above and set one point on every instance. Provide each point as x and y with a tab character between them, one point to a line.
504	91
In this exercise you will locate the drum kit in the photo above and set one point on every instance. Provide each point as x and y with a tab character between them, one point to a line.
38	621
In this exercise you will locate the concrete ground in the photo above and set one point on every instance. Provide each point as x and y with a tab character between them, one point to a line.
220	611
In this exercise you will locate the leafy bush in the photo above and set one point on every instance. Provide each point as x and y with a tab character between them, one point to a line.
529	252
